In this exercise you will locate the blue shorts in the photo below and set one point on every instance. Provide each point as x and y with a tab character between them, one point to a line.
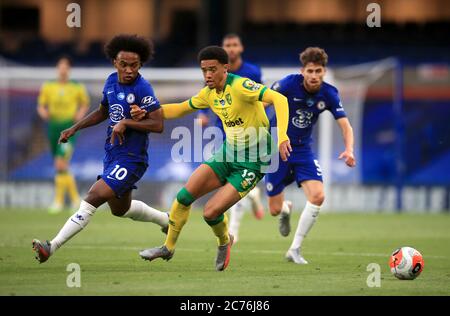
299	168
121	174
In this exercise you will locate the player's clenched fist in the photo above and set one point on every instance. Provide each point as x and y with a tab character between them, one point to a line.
285	150
65	135
137	113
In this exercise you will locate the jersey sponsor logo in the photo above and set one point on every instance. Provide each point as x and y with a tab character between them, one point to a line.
303	120
251	85
228	98
116	113
120	96
150	100
130	98
231	123
321	105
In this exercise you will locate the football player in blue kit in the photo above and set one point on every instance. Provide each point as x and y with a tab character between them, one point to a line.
308	96
232	44
126	158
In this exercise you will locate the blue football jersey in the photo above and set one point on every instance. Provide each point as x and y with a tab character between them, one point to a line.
117	98
305	108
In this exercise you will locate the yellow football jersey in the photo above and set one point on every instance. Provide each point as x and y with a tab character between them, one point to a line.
240	108
63	99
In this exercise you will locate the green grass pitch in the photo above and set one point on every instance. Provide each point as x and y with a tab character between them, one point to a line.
339	249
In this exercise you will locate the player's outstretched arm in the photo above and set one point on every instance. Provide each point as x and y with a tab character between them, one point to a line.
347	134
93	118
170	111
280	103
176	110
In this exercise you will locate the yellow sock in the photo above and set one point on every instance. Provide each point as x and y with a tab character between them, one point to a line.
179	215
71	187
60	189
220	229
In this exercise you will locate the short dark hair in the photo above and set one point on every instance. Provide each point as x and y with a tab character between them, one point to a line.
66	58
315	55
231	35
130	43
213	52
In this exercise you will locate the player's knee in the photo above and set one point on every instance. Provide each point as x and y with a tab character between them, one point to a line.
210	211
61	165
96	198
275	208
119	212
184	197
317	198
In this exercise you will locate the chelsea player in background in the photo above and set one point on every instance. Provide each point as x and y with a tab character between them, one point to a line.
232	44
126	145
308	96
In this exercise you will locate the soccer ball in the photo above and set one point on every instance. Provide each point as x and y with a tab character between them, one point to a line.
406	263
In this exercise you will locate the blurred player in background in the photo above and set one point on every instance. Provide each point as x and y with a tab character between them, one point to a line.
308	96
233	170
233	46
61	103
126	157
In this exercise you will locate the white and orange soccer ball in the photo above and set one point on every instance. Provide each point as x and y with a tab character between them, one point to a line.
406	263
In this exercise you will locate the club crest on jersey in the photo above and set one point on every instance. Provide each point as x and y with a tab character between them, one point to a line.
310	102
130	98
303	120
251	85
120	96
116	113
228	98
321	105
225	113
269	186
244	184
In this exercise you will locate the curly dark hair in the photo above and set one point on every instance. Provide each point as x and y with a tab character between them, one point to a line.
130	43
315	55
213	52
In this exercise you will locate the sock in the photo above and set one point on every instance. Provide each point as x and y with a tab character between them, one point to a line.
74	225
60	188
236	214
219	226
305	223
179	215
285	208
139	211
71	187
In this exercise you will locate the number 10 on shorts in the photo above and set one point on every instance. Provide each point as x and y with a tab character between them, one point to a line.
118	172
